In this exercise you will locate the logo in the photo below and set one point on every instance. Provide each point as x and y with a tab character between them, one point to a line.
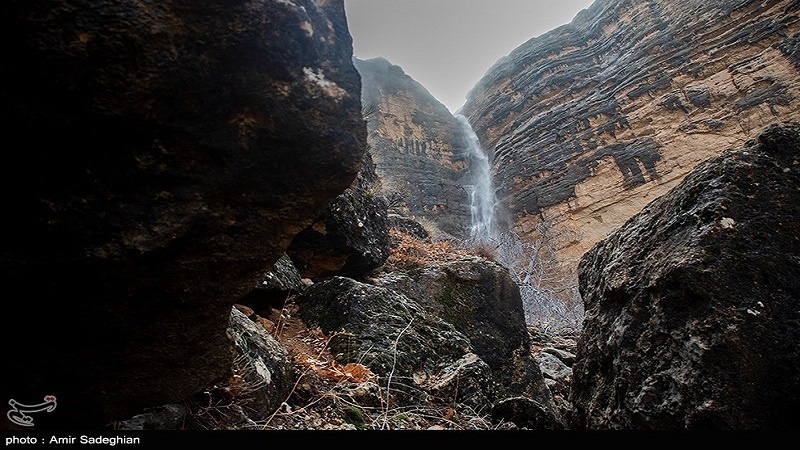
17	413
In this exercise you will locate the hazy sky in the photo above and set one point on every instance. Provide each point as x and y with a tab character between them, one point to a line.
448	45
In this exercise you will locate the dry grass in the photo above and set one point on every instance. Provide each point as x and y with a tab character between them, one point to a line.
408	252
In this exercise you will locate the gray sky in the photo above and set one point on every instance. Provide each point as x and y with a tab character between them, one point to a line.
448	45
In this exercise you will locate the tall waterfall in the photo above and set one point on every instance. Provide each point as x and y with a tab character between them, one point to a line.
479	186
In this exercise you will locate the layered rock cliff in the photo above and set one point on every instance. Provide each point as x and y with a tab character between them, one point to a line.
417	146
591	121
166	153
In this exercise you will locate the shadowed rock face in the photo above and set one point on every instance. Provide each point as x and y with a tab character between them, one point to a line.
593	120
692	305
165	154
351	237
417	145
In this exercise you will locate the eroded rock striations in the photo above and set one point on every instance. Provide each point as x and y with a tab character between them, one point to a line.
417	145
692	305
167	153
591	121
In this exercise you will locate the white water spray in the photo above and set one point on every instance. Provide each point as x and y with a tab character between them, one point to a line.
479	188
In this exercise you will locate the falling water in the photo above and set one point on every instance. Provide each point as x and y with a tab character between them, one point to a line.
479	187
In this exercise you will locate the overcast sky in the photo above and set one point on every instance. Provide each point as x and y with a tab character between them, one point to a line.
448	45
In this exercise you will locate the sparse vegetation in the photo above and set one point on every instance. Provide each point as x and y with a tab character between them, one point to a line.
408	252
330	395
551	301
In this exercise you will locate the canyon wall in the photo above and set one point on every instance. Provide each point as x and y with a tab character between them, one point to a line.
417	146
588	123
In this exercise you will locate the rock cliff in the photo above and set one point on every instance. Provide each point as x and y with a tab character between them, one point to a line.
691	306
591	121
166	153
417	146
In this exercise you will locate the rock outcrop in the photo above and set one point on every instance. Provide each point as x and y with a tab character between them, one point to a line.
167	153
593	120
454	331
481	300
381	328
692	305
351	238
263	368
417	145
275	287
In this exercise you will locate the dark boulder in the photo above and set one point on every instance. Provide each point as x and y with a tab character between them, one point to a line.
263	366
692	318
479	298
165	154
408	226
380	328
351	237
275	287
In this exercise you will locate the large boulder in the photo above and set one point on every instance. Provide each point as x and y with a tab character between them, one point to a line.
692	306
479	298
383	329
168	153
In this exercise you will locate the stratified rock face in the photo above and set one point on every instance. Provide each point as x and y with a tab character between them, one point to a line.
417	145
593	120
692	306
164	154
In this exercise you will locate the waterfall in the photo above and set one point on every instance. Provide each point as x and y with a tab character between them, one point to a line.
479	186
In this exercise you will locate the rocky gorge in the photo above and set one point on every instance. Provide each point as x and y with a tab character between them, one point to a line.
590	122
183	270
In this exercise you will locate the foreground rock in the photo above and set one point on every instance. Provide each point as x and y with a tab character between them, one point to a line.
351	237
162	167
692	306
381	328
452	332
479	298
